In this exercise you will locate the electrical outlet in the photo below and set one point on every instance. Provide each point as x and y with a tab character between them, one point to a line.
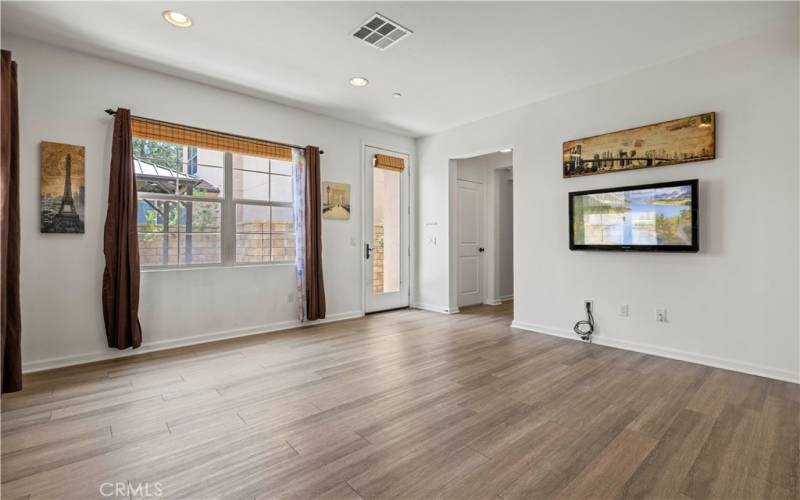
623	310
661	315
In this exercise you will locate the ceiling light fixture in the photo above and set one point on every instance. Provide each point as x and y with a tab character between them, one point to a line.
177	19
359	81
397	95
507	150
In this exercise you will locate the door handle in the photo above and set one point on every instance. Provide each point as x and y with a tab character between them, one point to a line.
481	249
367	250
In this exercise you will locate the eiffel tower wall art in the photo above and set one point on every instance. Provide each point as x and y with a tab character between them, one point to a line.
62	188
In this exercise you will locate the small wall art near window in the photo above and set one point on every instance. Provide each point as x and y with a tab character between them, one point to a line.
62	188
335	201
667	143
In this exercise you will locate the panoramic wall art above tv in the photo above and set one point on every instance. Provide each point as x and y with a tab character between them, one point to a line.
667	143
651	217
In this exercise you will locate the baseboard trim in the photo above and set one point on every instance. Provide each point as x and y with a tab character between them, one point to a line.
435	308
161	345
498	300
666	352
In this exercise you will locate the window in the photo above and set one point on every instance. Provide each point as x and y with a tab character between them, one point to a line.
263	200
201	206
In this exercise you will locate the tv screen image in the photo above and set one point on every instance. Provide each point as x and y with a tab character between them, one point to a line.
653	217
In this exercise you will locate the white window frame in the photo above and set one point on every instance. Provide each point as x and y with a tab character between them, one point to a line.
229	213
228	206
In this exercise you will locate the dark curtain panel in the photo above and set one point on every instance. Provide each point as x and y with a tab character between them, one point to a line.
120	243
315	288
10	317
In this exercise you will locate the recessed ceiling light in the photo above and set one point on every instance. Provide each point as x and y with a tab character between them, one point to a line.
359	81
507	150
177	19
397	95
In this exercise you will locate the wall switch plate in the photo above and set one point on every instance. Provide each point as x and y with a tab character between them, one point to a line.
290	298
661	315
623	310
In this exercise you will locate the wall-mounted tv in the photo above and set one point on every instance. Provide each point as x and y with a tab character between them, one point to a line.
652	217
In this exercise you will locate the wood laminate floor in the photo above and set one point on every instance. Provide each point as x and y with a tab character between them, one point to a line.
405	404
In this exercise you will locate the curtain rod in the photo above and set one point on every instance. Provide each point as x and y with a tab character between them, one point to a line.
112	113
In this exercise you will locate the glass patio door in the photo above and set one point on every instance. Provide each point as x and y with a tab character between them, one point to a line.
386	249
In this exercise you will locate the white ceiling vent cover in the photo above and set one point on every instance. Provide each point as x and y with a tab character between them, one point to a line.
381	32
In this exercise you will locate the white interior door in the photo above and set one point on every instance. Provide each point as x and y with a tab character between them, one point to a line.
386	249
469	200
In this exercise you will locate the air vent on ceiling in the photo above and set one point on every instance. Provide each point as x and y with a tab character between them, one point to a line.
381	32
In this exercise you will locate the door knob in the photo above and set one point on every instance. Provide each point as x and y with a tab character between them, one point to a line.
367	250
481	249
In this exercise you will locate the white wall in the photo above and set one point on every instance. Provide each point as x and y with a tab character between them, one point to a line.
62	98
504	221
734	304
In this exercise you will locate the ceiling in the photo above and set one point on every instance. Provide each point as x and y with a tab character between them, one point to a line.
465	60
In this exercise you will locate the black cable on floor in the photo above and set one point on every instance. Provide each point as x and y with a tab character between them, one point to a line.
585	328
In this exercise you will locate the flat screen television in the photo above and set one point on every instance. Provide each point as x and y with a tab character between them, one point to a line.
651	218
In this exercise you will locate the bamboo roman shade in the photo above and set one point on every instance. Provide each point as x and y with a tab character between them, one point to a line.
392	163
145	128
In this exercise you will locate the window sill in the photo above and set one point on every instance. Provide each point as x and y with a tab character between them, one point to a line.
206	267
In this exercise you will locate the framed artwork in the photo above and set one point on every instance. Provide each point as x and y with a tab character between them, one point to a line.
672	142
335	201
62	189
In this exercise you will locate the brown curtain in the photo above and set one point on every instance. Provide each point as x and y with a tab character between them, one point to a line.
120	243
315	288
10	317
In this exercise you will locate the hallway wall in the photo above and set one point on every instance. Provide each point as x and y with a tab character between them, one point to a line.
504	188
